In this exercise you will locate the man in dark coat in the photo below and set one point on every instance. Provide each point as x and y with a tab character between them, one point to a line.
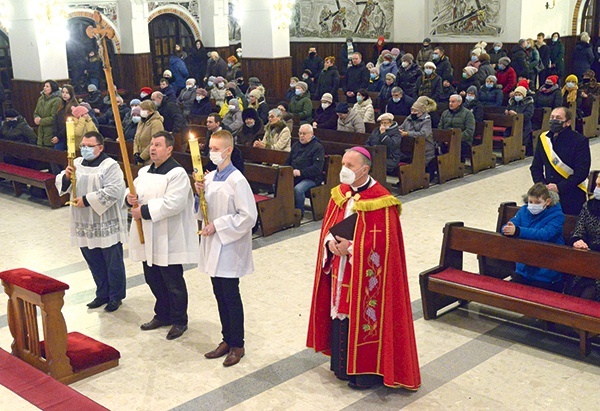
357	77
443	67
173	120
544	51
313	62
569	151
519	59
216	66
196	62
348	48
329	79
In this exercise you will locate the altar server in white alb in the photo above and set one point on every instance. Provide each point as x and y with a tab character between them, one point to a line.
166	209
98	218
226	244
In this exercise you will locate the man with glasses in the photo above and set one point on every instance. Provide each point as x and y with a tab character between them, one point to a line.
98	219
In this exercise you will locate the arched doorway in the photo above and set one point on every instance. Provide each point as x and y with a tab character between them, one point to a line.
165	31
5	71
79	46
589	18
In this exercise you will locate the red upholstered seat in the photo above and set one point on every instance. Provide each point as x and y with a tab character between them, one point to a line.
521	291
85	352
498	138
259	198
402	164
499	129
35	282
26	172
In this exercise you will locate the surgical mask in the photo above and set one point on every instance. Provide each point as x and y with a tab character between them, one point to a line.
554	39
210	83
359	99
87	153
385	62
535	209
556	126
428	71
347	176
250	123
464	75
232	107
473	58
199	98
527	46
144	113
298	92
142	95
396	99
136	119
292	85
216	157
229	65
470	98
518	98
188	86
305	76
597	193
496	48
501	67
221	85
325	105
405	64
570	84
435	56
373	75
489	85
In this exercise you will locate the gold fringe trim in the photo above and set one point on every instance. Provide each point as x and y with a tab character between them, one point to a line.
366	205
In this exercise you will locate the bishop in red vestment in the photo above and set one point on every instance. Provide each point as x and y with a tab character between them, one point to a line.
361	312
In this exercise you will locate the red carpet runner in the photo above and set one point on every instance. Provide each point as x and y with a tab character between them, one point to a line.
40	389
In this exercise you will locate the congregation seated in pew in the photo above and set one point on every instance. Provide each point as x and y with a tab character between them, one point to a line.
385	94
277	134
202	105
252	129
490	94
349	120
541	219
459	117
473	104
521	103
418	124
325	115
214	124
400	103
364	106
388	135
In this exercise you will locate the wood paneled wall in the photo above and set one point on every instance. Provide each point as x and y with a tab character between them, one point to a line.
132	72
273	73
25	95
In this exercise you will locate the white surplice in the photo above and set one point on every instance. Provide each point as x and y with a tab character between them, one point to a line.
232	209
104	223
171	236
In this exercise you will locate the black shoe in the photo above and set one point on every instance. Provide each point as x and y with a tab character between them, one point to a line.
113	306
98	302
176	331
153	324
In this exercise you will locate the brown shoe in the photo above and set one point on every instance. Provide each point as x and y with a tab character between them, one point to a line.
234	356
220	351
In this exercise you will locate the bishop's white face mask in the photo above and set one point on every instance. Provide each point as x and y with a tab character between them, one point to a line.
347	176
597	193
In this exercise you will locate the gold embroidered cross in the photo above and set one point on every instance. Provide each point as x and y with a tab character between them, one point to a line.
375	231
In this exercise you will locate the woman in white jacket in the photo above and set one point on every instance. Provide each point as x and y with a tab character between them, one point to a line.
364	106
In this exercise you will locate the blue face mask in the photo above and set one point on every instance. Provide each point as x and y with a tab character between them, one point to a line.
428	71
501	67
470	98
385	62
496	49
597	193
535	209
435	56
489	85
473	58
210	83
87	153
373	75
518	98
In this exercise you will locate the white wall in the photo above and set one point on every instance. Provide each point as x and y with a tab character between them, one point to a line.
538	19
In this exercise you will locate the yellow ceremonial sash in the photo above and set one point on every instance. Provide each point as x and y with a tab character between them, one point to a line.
561	168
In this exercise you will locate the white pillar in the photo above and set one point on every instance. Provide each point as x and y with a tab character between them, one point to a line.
263	35
214	21
133	27
38	46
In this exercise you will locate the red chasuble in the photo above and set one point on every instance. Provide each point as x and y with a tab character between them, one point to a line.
381	337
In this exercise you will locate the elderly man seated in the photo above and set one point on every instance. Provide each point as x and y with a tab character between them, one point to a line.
388	135
458	116
307	158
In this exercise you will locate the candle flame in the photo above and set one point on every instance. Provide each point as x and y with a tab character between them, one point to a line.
192	137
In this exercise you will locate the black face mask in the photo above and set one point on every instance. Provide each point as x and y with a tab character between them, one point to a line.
312	54
414	116
556	126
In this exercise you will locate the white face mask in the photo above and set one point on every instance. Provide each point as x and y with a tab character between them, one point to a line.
232	107
570	84
535	209
347	176
325	105
221	85
136	119
216	157
199	98
597	193
144	113
405	64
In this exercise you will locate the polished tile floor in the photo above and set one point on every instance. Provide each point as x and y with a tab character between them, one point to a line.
472	358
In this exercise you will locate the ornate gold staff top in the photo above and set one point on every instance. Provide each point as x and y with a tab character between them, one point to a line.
100	33
199	176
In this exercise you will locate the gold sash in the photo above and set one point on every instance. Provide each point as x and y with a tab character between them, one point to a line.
558	165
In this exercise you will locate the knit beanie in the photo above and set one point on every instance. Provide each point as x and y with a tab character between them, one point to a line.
523	83
92	88
136	111
553	78
505	61
420	107
134	102
390	76
302	85
257	94
521	90
79	111
407	57
470	71
472	90
201	92
571	78
327	97
148	105
492	78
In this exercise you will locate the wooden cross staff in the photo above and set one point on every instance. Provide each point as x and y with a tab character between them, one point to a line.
101	32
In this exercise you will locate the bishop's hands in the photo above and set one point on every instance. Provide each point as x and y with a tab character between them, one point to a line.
339	247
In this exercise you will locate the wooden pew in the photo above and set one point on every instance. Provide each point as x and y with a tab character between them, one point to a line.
449	164
541	116
320	195
590	123
21	176
511	147
180	143
482	154
448	282
412	176
196	119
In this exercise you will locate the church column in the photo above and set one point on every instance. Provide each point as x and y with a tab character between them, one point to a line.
38	51
134	61
266	44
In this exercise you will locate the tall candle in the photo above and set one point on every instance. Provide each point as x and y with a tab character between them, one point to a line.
70	137
196	159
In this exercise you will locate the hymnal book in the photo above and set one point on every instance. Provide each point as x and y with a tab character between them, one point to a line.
345	228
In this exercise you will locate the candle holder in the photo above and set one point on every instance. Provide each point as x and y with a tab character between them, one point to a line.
70	127
199	176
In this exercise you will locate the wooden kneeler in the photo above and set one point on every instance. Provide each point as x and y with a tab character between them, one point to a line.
65	357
